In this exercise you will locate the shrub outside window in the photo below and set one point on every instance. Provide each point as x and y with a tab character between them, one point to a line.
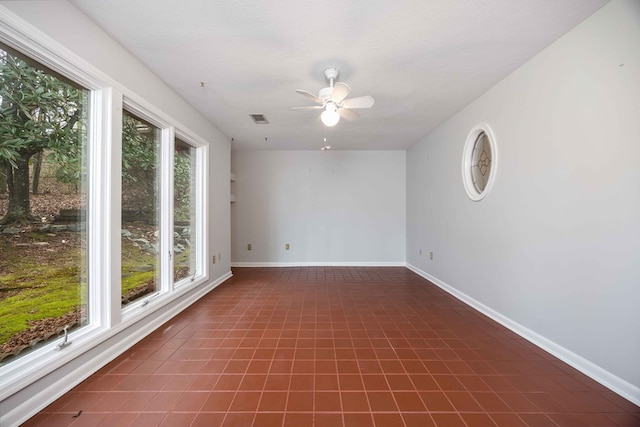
184	210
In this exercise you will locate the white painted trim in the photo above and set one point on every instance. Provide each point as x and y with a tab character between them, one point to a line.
469	145
604	377
320	264
201	206
167	147
45	397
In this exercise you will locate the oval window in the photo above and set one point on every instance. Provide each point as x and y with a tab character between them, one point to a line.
479	162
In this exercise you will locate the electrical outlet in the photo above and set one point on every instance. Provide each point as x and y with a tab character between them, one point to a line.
214	259
420	251
430	255
219	256
286	247
249	247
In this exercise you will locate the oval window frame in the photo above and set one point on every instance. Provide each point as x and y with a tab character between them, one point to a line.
467	161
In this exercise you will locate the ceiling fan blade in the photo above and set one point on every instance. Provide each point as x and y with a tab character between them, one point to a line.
309	95
310	107
348	114
340	92
359	102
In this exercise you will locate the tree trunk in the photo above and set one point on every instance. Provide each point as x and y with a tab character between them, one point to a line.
19	210
37	168
3	177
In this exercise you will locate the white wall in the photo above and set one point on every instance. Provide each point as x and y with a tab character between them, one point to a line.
333	207
64	24
555	247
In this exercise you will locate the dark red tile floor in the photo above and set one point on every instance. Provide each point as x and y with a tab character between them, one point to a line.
335	347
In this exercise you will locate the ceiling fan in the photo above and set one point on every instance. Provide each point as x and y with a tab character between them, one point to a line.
333	100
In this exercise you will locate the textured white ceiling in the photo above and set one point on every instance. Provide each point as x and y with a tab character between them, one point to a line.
422	60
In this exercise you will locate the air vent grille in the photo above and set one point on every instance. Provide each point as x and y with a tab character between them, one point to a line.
259	119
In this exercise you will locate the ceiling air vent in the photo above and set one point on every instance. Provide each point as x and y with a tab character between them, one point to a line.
259	119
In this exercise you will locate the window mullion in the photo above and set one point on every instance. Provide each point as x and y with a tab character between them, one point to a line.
111	149
166	209
94	214
202	179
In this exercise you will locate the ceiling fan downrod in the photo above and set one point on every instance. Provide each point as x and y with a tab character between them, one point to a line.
331	74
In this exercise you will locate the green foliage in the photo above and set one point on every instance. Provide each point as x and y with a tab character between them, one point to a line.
40	111
69	164
182	185
140	144
37	111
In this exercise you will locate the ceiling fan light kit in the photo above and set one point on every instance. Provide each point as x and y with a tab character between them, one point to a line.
330	116
332	100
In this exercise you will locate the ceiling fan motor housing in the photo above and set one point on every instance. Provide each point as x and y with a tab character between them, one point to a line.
325	93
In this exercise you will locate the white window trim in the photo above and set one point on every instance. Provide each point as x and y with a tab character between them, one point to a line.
166	208
467	179
24	38
201	177
103	205
150	301
140	108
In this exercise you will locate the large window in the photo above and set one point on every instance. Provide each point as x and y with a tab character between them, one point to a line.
184	210
43	241
101	216
140	208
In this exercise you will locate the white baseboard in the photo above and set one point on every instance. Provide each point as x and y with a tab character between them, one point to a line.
320	264
48	395
604	377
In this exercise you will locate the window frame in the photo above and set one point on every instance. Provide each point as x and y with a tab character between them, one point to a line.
103	220
166	132
28	368
168	289
467	160
200	208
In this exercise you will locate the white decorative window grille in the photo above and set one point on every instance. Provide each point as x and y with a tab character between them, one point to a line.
479	162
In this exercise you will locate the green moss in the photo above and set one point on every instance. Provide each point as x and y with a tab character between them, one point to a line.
52	287
134	280
43	291
138	267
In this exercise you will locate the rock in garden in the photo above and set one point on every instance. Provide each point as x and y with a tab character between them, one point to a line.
80	226
143	243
